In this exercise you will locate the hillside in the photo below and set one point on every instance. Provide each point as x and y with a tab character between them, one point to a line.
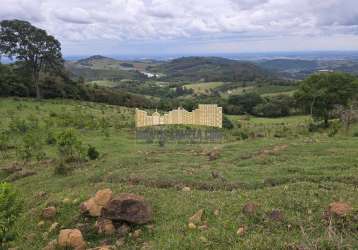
104	68
299	68
209	69
276	171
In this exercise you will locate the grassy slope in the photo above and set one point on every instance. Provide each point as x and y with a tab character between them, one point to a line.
202	88
310	173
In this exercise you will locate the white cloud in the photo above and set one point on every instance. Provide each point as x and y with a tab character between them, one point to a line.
152	20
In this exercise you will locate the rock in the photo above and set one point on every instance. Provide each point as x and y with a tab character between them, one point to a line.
137	233
41	194
45	235
94	205
128	207
241	231
191	225
105	226
150	227
339	208
215	174
216	212
52	245
123	230
91	207
49	213
103	196
71	238
203	239
249	208
186	189
85	227
147	246
103	248
120	242
203	227
31	237
214	155
54	227
197	217
66	201
276	215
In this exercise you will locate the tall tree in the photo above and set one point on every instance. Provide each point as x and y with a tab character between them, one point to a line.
321	93
31	45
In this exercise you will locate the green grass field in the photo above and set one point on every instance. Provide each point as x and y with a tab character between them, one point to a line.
203	88
298	173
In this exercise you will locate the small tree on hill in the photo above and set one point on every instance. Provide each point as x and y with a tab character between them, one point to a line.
246	102
321	93
33	46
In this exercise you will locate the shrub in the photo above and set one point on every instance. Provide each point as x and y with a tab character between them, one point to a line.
241	135
161	141
92	152
30	148
334	129
355	134
10	208
227	123
51	139
4	143
61	169
69	146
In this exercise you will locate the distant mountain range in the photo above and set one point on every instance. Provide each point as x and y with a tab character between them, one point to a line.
299	69
204	69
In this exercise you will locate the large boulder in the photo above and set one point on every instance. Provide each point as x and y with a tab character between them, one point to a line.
103	196
128	207
94	205
71	238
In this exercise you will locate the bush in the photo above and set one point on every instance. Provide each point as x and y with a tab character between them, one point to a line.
61	169
51	139
355	134
4	143
241	135
92	152
69	146
10	209
334	129
227	123
161	142
30	148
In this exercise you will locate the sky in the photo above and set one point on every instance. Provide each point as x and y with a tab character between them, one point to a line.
149	27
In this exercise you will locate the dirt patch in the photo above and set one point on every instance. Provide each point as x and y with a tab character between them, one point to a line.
20	175
179	185
13	168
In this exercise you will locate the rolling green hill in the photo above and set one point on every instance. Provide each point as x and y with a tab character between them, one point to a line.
299	69
209	69
104	68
